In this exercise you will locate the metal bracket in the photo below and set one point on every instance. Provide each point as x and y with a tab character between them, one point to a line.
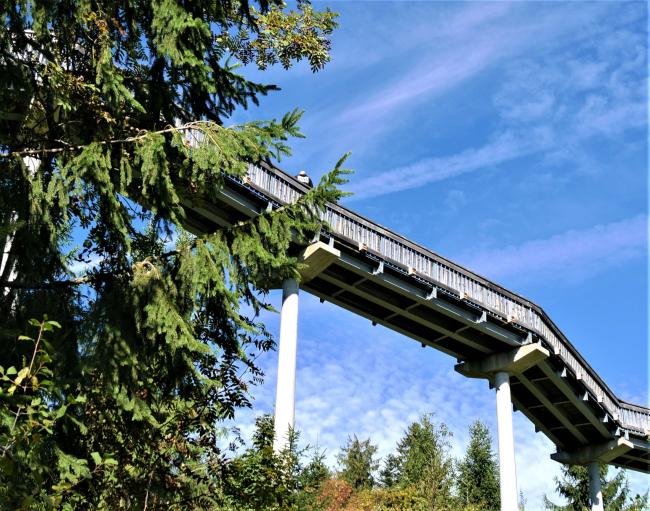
433	294
379	269
622	432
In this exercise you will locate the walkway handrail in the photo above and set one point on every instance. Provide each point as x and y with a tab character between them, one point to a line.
439	271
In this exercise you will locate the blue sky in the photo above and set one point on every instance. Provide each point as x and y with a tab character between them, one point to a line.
509	137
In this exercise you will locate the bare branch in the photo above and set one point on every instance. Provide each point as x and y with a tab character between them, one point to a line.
199	126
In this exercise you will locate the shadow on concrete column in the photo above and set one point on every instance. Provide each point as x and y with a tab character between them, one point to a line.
595	491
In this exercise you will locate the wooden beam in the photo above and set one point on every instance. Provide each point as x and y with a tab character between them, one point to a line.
536	391
575	400
405	313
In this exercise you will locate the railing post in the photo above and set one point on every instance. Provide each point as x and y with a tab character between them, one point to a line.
507	469
286	390
595	491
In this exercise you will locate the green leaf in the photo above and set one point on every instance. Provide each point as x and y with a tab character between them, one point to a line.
22	374
61	411
96	457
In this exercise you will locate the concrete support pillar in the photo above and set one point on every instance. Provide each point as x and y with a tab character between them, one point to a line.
507	471
285	398
498	368
595	491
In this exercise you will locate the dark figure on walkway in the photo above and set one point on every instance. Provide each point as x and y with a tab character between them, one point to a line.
303	178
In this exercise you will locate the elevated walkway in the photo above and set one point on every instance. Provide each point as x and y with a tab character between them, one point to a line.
378	274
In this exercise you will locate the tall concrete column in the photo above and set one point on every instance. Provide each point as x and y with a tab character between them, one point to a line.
595	491
507	471
285	398
499	367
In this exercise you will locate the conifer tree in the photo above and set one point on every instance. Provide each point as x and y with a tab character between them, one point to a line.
112	120
574	488
313	477
316	471
357	463
478	472
389	474
424	461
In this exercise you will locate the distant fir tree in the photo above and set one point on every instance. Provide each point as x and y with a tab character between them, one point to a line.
315	471
424	462
111	120
357	463
389	474
574	487
478	471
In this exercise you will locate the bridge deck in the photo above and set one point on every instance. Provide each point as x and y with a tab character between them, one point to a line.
396	283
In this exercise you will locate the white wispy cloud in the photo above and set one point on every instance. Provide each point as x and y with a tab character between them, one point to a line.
461	47
557	103
444	73
571	255
450	22
505	147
